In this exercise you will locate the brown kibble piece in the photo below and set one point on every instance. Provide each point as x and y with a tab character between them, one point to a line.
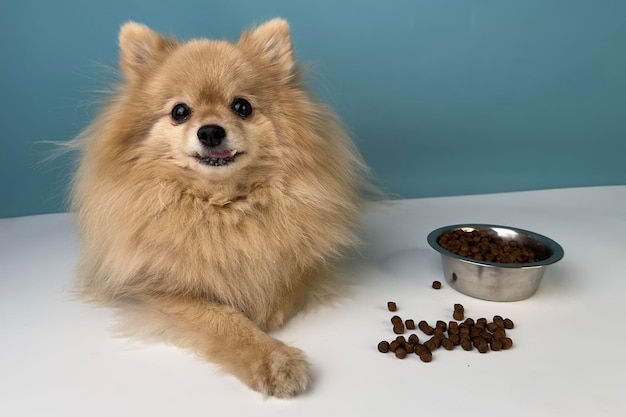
492	327
482	347
383	347
507	343
496	345
433	343
426	355
425	327
466	344
398	328
410	324
400	353
419	349
393	346
413	339
392	306
447	344
453	327
499	334
396	319
459	313
508	324
488	337
436	285
401	340
439	333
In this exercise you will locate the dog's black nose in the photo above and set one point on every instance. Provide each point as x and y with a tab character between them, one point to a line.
211	135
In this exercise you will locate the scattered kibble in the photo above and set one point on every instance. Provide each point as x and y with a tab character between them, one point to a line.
437	285
480	334
392	306
426	355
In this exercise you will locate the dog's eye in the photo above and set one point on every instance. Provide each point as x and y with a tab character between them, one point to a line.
181	112
242	107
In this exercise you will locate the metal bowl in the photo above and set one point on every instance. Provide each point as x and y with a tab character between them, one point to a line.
492	280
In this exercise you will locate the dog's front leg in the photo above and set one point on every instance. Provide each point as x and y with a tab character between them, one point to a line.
225	336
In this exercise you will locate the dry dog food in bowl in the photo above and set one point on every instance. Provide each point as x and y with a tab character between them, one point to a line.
497	263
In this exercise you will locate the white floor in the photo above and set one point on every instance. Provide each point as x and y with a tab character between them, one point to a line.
59	357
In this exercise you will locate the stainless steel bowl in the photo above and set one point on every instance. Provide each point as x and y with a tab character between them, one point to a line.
491	280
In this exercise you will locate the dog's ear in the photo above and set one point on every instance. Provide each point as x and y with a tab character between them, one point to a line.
272	43
141	48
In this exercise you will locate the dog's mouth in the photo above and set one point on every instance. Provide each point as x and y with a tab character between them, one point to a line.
218	159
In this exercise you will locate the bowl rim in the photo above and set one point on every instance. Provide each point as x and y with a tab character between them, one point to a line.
557	250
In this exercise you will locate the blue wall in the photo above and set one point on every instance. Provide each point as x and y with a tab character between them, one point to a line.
443	97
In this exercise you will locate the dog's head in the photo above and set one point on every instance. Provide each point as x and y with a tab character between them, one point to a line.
209	107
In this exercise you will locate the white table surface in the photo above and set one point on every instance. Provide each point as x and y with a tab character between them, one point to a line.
59	357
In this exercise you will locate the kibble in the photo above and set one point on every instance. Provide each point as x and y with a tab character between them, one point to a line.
426	355
425	328
459	312
398	328
392	306
419	349
481	245
447	344
453	327
470	334
482	346
437	285
433	343
507	343
439	333
466	344
400	353
492	327
393	346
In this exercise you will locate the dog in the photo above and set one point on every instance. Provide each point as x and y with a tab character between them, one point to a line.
213	196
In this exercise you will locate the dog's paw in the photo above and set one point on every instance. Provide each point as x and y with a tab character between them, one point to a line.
283	373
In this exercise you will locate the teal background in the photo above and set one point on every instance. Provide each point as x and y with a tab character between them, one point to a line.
442	97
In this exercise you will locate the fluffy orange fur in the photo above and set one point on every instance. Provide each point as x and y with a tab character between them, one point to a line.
212	257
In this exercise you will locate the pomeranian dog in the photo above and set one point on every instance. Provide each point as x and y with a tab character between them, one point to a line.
213	196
